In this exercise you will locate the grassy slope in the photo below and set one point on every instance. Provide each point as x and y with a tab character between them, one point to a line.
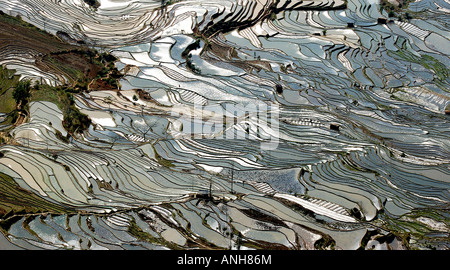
14	199
7	84
22	36
7	102
79	64
74	120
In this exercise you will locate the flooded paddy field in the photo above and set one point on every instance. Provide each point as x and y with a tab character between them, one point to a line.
252	124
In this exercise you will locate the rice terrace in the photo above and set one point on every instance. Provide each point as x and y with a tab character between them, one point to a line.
225	125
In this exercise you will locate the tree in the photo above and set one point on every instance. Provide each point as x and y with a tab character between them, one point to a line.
22	93
408	16
279	88
75	121
93	3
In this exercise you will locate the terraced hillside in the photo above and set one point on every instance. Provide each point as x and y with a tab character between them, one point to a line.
255	124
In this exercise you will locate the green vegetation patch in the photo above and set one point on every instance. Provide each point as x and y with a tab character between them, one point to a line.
15	200
62	64
164	162
8	81
408	227
396	10
74	121
17	21
427	61
86	69
14	96
21	93
7	102
137	232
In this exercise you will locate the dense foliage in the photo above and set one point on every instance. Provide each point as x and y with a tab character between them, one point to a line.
22	93
92	3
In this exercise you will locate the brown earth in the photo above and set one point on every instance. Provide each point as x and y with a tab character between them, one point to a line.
77	63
